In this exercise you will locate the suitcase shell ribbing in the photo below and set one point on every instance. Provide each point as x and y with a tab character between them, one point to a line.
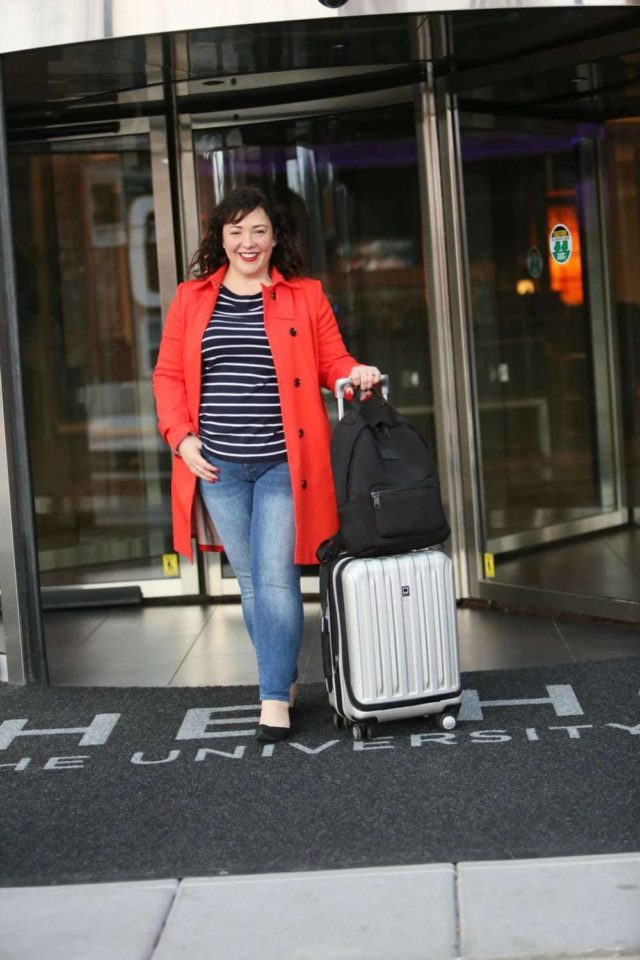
391	636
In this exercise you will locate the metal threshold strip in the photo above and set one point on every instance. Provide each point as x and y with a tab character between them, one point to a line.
64	598
553	602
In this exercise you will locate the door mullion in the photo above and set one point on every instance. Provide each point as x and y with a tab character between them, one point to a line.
608	469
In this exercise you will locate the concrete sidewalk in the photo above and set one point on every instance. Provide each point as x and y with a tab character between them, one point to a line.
556	907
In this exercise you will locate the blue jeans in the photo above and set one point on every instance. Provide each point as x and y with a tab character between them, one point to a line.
251	505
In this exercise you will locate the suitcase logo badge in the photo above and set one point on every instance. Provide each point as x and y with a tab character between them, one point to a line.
405	591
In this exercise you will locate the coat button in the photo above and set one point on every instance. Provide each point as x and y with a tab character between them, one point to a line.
293	332
296	382
273	294
304	484
301	432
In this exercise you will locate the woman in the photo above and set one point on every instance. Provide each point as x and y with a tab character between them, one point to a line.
245	349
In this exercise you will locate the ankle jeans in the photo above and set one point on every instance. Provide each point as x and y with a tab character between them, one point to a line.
251	505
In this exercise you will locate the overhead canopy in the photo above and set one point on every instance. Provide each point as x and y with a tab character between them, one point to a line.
29	25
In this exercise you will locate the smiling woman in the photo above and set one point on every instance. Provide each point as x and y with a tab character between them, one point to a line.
246	347
248	244
248	234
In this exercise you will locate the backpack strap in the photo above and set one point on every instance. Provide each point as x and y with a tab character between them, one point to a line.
359	415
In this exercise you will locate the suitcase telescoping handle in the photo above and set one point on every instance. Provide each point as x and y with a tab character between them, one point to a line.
344	382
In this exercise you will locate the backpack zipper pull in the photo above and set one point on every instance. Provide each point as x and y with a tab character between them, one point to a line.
376	500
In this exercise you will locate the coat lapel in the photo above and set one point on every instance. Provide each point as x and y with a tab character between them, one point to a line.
205	295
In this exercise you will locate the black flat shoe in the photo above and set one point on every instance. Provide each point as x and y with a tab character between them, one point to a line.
268	734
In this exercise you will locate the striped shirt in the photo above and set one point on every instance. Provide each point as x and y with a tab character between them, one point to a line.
240	416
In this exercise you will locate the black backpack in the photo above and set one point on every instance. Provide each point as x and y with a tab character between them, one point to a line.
386	484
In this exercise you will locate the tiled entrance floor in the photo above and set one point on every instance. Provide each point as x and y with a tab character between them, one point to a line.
208	645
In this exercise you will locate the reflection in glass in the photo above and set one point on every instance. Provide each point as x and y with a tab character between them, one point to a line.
350	184
532	325
90	322
280	48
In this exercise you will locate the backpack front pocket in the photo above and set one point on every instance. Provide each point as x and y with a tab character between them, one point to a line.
408	509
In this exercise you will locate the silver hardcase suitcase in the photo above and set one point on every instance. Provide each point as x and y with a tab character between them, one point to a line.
389	639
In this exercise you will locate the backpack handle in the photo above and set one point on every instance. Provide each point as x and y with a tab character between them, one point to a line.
381	389
374	410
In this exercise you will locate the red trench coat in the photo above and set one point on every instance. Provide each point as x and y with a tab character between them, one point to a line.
308	351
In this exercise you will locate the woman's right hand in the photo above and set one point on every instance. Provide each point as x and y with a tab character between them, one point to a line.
189	449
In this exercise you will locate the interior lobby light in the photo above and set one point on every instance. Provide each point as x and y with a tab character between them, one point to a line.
525	286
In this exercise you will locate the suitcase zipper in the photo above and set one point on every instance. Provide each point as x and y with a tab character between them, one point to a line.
375	494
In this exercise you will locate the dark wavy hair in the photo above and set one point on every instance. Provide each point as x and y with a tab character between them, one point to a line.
210	254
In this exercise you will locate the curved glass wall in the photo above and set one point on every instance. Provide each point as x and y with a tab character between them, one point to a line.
539	353
548	162
322	114
90	318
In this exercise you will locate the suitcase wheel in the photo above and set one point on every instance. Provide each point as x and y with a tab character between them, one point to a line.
447	720
362	731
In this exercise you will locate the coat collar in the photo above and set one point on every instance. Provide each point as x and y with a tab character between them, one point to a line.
215	279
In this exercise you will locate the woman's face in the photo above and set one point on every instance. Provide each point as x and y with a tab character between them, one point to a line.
248	244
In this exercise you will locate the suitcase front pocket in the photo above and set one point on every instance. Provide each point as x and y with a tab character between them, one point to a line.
408	509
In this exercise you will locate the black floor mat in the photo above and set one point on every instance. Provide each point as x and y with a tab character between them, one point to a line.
555	773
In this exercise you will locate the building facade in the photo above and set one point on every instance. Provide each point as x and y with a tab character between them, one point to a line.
464	178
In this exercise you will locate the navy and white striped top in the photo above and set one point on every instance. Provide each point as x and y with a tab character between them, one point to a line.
240	416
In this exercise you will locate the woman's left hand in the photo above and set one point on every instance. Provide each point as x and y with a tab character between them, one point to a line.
364	377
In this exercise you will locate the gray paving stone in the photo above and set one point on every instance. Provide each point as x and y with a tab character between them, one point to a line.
101	921
378	914
554	906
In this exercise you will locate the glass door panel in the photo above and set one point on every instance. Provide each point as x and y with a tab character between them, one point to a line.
352	195
90	317
349	182
544	414
622	141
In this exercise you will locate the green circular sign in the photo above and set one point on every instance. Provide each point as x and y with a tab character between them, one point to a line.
535	263
560	243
